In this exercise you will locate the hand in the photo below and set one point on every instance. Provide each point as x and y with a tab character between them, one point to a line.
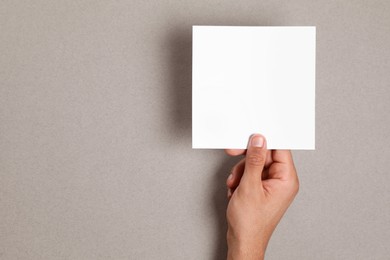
260	188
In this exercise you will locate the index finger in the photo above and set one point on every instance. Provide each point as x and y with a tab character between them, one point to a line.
282	156
235	152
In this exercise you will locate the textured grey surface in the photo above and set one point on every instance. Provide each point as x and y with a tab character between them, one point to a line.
95	132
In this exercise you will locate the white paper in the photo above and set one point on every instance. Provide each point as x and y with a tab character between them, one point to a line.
253	79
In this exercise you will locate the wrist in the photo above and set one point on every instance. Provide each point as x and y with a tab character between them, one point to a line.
245	253
248	249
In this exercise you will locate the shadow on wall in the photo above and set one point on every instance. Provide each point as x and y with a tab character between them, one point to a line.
180	69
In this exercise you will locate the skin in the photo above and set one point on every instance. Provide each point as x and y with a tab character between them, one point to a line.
260	189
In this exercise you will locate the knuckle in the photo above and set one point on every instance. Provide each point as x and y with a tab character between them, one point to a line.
233	169
295	181
255	159
293	186
290	187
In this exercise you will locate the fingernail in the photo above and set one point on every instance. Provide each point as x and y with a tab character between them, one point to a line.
230	177
257	141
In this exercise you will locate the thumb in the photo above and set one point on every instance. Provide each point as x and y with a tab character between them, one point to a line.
254	161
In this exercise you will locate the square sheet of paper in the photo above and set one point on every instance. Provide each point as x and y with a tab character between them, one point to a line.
249	79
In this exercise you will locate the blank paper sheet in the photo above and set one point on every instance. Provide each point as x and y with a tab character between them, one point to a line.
253	79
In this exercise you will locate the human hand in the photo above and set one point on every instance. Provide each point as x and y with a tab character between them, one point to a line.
260	189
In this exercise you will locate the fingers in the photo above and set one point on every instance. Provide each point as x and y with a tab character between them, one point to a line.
283	167
282	156
268	160
254	161
235	152
235	175
237	171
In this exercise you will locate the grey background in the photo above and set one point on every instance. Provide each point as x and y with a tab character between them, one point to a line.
95	133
